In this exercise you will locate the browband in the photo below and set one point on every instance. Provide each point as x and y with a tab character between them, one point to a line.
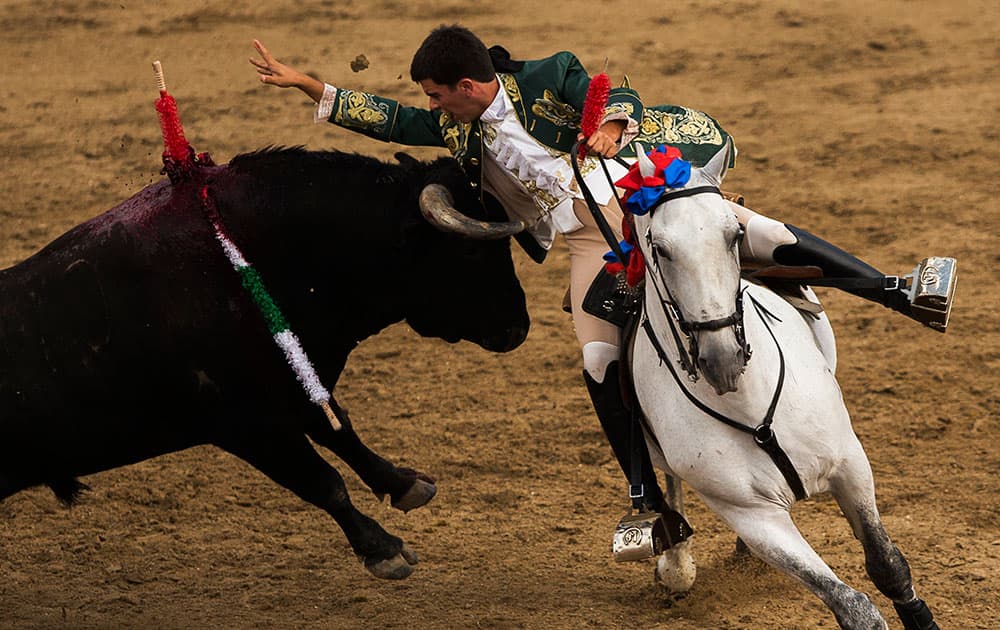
688	192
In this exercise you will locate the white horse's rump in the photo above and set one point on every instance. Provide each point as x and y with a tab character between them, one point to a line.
690	245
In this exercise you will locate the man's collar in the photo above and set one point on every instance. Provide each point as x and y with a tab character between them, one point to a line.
497	109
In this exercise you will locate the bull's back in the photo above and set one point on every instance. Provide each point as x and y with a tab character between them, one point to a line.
96	337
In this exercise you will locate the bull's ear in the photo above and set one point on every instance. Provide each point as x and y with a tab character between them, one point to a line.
406	160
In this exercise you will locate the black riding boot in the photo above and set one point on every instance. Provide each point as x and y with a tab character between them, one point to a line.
888	291
616	421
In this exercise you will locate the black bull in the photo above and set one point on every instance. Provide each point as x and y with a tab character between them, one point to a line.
130	336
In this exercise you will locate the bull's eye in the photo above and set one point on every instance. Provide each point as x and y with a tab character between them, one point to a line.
472	250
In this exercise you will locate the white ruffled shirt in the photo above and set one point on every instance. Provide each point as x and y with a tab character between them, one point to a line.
539	172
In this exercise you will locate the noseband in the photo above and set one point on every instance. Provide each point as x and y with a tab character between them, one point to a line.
671	307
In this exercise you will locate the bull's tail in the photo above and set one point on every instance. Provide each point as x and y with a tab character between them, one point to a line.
68	490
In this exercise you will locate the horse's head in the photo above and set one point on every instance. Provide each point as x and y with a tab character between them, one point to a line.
690	240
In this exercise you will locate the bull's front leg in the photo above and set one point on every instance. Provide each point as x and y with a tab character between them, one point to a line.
291	461
408	489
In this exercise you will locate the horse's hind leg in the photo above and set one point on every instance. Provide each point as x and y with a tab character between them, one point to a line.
771	535
854	491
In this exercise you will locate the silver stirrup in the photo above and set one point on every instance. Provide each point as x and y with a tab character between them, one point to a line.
932	291
639	536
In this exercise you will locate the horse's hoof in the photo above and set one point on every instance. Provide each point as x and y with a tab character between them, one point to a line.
419	494
675	570
395	568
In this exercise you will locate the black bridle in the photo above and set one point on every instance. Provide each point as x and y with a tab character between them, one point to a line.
762	434
672	308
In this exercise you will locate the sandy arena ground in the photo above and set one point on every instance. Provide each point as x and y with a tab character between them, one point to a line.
873	124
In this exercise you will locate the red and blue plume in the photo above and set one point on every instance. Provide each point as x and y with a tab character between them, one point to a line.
642	193
634	264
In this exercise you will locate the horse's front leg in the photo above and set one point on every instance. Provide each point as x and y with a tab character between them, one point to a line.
290	460
407	488
675	568
770	534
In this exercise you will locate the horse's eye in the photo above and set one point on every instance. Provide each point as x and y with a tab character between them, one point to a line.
657	244
663	251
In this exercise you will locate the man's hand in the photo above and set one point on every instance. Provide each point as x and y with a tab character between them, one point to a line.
604	141
273	72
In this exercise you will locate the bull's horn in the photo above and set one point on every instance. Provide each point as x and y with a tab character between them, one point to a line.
436	205
646	166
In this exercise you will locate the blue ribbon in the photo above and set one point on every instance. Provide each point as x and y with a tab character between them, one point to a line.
677	173
626	249
642	201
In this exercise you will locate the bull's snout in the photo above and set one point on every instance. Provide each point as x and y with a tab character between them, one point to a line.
506	342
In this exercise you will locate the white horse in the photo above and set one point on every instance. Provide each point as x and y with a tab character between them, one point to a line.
693	287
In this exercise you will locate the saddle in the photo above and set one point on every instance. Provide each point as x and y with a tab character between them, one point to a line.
788	283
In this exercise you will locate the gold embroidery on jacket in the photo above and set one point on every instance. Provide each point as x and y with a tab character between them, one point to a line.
544	200
510	86
554	111
359	109
455	134
685	127
489	132
618	108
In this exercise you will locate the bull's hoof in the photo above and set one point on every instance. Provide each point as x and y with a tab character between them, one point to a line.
395	568
419	494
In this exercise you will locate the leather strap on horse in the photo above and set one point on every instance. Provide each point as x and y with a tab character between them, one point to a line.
763	435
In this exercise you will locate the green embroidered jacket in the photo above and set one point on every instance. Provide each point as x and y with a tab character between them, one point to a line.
548	96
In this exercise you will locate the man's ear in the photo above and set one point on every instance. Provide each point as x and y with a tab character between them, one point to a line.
466	86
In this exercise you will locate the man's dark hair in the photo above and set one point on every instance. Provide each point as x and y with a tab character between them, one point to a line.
450	54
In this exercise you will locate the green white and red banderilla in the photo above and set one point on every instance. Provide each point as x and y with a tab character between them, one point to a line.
180	162
277	325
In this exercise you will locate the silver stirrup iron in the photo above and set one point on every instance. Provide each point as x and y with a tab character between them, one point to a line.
639	536
932	290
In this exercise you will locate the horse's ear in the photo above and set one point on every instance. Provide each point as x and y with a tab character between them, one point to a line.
715	169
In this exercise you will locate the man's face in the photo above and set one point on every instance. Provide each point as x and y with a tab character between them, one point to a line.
458	100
